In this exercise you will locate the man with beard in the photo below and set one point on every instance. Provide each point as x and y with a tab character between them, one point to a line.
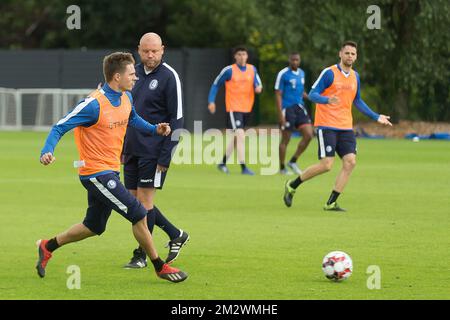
334	93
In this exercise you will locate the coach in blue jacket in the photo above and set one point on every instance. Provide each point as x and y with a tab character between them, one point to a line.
157	98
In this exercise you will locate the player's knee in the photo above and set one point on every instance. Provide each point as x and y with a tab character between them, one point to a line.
306	139
350	163
147	203
308	136
327	166
284	142
92	230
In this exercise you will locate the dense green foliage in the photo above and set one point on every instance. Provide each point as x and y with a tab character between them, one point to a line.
404	66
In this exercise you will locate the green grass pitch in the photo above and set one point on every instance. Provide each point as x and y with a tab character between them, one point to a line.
245	244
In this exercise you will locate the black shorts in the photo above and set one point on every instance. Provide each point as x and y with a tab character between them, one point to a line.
341	141
296	116
237	120
107	193
141	172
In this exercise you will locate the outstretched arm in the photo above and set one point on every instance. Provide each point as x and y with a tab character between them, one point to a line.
84	114
162	129
136	121
365	109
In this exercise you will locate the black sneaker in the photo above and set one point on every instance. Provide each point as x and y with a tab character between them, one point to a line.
175	246
288	194
139	260
333	207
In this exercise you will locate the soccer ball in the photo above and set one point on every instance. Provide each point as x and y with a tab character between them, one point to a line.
337	266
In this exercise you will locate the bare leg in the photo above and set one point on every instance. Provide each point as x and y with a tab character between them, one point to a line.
323	166
307	135
348	164
230	147
144	238
285	137
146	196
240	145
75	233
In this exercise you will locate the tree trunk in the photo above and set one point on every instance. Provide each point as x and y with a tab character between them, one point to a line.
401	110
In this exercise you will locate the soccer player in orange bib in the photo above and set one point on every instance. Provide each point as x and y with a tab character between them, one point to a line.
100	123
241	83
334	92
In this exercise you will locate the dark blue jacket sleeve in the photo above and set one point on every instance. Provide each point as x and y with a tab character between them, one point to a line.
324	81
174	103
84	114
361	105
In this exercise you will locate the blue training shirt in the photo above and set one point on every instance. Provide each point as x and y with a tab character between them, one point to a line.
291	84
86	114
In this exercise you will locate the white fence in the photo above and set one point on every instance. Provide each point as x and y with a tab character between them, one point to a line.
36	109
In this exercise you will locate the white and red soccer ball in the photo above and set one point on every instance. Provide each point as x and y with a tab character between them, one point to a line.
337	266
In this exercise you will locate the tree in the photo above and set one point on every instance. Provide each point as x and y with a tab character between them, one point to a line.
104	24
211	23
406	61
404	66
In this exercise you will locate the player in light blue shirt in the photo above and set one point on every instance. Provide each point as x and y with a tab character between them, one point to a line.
289	91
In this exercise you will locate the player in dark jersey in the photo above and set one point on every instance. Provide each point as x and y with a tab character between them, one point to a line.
157	95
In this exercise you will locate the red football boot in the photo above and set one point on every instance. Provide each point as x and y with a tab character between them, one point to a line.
171	274
44	256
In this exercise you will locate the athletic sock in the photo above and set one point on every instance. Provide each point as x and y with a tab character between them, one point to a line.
243	166
158	264
224	160
142	253
151	218
333	197
293	159
162	222
52	245
294	184
282	166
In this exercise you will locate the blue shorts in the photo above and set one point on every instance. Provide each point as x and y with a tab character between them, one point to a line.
237	120
141	172
341	141
296	116
107	193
